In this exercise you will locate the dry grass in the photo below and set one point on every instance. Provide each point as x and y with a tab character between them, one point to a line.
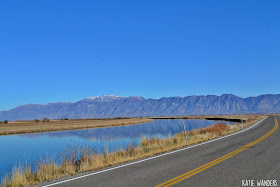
20	127
82	158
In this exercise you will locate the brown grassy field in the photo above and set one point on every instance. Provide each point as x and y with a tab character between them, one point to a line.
21	127
83	158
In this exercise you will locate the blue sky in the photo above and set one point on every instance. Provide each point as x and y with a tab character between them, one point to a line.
67	50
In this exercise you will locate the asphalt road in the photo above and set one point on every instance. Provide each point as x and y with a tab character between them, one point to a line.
259	160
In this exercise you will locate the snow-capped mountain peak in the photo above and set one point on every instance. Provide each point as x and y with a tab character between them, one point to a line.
103	98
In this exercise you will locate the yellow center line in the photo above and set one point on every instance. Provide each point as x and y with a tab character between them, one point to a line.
214	162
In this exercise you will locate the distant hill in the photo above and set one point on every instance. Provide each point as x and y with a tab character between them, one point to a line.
115	106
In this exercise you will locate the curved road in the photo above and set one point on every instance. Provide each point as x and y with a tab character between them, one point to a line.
237	160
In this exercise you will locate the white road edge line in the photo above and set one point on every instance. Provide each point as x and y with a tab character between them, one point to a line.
182	149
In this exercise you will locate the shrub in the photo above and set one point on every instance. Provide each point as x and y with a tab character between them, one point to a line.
45	119
36	120
121	117
215	129
62	119
5	121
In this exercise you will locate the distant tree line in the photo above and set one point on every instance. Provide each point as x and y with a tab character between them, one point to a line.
122	118
45	119
4	122
62	119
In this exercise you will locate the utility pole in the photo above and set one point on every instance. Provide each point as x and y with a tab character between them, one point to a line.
185	131
242	122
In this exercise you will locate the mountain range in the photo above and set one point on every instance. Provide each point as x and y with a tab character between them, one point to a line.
115	106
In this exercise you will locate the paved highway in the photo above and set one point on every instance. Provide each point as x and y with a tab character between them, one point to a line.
243	159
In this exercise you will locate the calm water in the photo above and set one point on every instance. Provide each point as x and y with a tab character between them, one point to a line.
30	147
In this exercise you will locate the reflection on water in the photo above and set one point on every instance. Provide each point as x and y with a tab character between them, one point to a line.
30	147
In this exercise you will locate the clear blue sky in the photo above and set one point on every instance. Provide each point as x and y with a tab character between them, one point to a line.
67	50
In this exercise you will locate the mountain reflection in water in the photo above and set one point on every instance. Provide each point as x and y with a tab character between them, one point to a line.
156	128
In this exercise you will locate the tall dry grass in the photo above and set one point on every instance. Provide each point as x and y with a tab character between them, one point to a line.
76	159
